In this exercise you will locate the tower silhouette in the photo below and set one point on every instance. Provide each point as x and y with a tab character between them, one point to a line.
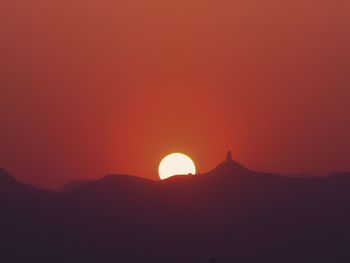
229	156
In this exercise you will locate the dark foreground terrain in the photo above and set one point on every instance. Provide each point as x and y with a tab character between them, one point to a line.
231	214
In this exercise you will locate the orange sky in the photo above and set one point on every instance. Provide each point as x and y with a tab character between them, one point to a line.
98	86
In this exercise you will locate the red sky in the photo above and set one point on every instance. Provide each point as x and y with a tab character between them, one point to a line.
90	87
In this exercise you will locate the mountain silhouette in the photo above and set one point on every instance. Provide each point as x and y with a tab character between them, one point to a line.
231	167
6	178
230	214
75	184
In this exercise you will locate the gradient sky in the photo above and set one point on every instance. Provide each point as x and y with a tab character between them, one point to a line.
90	87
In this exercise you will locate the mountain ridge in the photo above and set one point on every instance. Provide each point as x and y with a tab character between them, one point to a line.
231	213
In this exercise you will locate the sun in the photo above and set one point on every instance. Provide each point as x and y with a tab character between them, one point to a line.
176	164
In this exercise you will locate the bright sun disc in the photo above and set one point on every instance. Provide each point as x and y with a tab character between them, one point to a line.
176	164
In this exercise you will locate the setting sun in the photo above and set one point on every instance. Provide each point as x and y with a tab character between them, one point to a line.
176	164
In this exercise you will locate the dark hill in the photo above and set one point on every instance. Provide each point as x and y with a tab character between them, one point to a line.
231	167
231	213
6	178
74	185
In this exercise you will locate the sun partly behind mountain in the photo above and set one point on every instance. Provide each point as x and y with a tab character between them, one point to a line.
176	164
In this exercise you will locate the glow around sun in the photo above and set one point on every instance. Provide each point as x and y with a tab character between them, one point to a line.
176	164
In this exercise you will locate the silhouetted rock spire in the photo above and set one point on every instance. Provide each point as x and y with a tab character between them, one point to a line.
230	166
229	157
